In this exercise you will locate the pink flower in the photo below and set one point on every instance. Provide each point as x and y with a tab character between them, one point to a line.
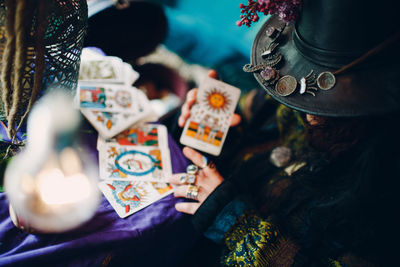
286	9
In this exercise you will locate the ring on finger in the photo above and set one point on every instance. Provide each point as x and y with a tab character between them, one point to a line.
191	178
192	169
187	178
183	178
192	192
205	162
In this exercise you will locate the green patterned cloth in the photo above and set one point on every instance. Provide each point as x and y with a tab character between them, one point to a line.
250	235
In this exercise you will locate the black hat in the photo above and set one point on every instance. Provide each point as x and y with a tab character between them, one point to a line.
341	58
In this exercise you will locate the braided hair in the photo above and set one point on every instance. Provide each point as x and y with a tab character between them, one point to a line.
24	20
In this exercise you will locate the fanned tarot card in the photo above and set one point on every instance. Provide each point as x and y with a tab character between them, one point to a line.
141	135
144	163
107	98
102	70
208	124
109	124
128	197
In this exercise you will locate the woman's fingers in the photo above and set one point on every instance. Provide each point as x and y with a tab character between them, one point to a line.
187	207
176	178
185	111
193	155
236	119
213	74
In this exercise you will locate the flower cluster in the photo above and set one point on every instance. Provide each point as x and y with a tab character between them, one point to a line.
286	9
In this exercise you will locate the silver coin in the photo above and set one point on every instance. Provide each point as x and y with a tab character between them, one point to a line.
286	85
326	80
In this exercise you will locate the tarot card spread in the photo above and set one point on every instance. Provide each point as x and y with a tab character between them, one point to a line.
128	197
208	125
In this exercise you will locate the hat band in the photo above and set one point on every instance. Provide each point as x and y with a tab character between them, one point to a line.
322	57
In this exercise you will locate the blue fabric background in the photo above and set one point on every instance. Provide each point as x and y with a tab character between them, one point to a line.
205	32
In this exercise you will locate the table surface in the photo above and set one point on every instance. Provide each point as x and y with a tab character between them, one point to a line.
151	237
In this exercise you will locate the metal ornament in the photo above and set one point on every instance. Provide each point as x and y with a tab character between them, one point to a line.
326	80
308	83
192	169
270	31
270	76
192	192
280	156
275	59
269	50
191	178
183	179
205	162
286	85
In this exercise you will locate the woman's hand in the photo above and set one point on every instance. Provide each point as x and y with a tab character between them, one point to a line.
207	179
191	99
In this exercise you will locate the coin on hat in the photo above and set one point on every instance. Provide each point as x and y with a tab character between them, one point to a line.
286	85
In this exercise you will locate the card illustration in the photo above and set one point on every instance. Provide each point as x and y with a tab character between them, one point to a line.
145	135
102	69
139	163
108	124
127	197
105	98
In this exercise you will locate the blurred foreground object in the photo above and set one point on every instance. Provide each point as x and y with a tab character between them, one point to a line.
40	47
51	184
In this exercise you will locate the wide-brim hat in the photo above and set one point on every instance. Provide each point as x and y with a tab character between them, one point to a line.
341	58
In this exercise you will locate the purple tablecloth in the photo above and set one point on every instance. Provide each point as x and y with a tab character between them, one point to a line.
158	235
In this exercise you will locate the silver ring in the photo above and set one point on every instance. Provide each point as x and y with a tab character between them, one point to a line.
192	169
191	178
192	192
183	179
205	162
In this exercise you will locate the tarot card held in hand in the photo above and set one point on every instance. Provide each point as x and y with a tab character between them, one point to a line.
208	124
108	98
128	197
144	163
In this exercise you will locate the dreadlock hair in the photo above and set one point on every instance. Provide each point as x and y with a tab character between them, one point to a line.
22	21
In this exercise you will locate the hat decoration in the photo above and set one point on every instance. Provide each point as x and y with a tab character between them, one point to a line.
325	64
287	10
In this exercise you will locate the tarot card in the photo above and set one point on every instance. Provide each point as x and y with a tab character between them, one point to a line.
102	70
130	75
128	197
144	163
107	98
208	125
141	135
109	124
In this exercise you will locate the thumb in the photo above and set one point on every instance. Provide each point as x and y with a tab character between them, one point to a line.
236	119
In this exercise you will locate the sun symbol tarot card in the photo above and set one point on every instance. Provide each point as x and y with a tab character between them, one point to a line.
208	124
127	197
